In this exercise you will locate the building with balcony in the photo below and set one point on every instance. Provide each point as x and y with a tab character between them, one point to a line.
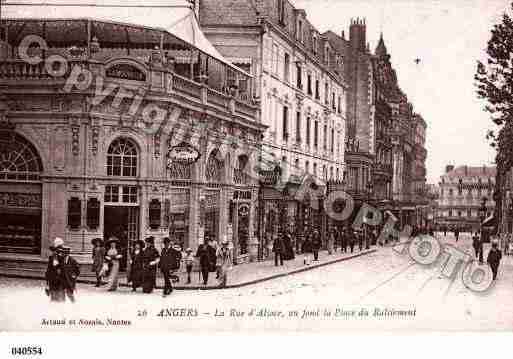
461	193
299	79
117	125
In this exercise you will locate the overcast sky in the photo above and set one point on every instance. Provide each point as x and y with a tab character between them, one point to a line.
447	35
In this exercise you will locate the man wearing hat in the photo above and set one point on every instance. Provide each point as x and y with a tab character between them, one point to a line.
69	272
494	258
54	287
98	255
150	260
224	262
169	261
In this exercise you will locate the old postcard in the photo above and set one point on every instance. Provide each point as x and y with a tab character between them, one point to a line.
255	165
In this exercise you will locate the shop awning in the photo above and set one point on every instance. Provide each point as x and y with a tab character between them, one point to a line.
489	222
174	16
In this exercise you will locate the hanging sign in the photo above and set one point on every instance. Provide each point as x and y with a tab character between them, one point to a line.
183	154
243	210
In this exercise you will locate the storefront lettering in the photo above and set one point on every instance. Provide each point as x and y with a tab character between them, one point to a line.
183	154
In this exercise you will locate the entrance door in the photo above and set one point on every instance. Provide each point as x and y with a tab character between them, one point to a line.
122	222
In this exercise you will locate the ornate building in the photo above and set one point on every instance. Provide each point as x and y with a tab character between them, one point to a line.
126	130
299	78
461	194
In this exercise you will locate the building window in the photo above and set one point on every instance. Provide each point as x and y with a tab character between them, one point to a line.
325	138
450	213
327	55
129	194
281	11
309	84
286	70
339	107
308	125
326	94
285	123
314	45
338	174
122	158
324	173
469	213
316	134
315	169
111	194
19	159
459	213
275	59
298	127
450	192
300	31
317	94
299	76
332	140
296	166
120	194
307	167
333	105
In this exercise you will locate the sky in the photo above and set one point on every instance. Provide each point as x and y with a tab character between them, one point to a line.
448	36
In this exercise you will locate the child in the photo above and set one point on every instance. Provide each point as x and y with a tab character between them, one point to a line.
189	261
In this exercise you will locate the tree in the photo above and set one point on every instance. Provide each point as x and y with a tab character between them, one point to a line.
494	81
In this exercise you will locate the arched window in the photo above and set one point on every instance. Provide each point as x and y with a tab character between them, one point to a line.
19	159
239	173
122	158
214	168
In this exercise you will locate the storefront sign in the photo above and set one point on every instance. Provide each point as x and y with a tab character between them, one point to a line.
183	153
242	195
125	72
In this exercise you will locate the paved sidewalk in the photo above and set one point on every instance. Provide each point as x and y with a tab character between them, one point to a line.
240	275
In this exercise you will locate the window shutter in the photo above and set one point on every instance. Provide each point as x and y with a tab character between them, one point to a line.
93	213
74	212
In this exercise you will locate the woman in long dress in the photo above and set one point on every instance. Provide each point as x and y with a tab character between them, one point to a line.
136	267
113	256
98	255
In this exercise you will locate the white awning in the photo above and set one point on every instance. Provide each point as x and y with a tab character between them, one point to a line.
173	16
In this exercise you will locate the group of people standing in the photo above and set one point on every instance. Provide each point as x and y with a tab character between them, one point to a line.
494	254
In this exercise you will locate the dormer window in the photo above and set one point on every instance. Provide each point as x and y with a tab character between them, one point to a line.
327	55
314	45
281	11
300	31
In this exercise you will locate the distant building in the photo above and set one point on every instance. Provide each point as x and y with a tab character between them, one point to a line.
461	193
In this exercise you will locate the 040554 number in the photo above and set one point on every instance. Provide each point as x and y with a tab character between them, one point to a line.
28	350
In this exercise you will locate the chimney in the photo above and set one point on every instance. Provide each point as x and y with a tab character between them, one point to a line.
449	168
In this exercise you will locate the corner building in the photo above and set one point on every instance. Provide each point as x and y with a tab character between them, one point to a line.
79	169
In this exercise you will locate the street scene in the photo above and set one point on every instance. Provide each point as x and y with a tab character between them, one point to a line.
382	279
256	164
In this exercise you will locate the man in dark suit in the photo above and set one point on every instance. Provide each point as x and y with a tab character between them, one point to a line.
316	244
69	272
205	260
278	250
494	258
169	261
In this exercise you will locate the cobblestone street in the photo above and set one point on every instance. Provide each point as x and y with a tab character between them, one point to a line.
383	279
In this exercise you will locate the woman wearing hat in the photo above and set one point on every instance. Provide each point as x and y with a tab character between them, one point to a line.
113	256
150	259
98	255
136	265
224	262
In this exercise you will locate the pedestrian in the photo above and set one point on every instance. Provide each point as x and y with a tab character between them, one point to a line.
278	250
54	288
351	238
98	255
205	260
330	244
494	258
136	265
316	244
445	231
69	272
456	233
359	237
113	257
150	259
167	263
307	249
189	262
344	239
212	252
224	262
288	248
177	251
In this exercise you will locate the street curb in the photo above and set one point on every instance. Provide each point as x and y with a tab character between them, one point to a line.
229	286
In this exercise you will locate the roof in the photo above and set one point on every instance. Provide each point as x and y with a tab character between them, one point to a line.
472	171
174	17
228	12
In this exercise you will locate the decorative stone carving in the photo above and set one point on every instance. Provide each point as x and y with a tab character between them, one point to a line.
75	143
94	139
156	144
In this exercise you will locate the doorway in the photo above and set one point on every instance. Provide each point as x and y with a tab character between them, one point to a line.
121	222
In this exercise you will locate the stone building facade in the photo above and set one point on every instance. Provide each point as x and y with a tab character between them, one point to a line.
153	137
461	193
299	79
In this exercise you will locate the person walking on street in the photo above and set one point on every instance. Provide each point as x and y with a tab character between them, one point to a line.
316	244
136	265
494	258
351	238
167	263
288	250
456	233
224	262
189	262
113	257
307	249
479	246
359	234
205	260
98	255
330	243
150	259
68	273
278	250
212	252
54	288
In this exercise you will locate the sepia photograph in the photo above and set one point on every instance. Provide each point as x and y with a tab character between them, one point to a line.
272	166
